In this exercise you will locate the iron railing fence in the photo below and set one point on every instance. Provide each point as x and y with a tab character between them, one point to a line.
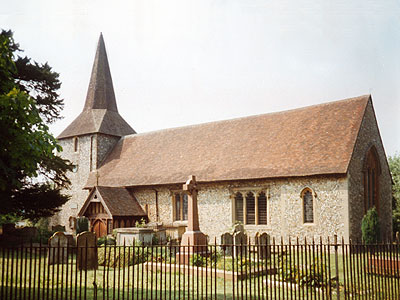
293	270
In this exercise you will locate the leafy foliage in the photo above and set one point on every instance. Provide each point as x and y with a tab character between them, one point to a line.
370	227
28	94
198	260
394	165
306	275
119	257
105	240
43	230
141	224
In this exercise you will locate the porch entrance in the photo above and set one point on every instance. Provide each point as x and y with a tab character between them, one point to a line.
99	228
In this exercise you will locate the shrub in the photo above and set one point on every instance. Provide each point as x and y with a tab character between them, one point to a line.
105	240
370	227
118	257
155	240
140	224
44	233
82	224
198	260
307	275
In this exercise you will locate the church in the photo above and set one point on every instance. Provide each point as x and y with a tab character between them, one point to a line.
306	172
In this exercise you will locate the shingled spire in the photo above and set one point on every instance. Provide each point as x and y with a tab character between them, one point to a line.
100	93
100	113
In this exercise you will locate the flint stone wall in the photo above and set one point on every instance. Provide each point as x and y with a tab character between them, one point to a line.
285	218
369	136
102	144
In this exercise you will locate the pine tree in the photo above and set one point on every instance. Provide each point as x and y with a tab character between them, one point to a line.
28	102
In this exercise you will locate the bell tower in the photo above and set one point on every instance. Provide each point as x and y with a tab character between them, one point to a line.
88	139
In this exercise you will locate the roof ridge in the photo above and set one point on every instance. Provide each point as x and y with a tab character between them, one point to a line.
357	98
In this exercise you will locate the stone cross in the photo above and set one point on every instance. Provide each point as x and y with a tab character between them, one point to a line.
193	216
193	240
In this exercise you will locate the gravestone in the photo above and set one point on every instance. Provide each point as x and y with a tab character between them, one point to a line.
86	256
240	241
263	241
227	243
58	228
58	251
238	227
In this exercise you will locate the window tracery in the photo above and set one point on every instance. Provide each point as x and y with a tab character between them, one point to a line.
250	207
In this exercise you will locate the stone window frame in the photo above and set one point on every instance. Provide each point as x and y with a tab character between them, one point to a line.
314	197
371	177
256	191
75	144
173	201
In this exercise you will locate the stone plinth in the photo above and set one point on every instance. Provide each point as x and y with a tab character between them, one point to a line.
127	236
193	242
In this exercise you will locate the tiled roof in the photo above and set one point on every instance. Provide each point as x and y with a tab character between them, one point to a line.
97	121
100	113
308	141
120	201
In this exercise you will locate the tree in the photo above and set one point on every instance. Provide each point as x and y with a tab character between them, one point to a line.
394	165
370	227
28	101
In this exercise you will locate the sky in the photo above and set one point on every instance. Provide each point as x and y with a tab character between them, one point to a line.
176	63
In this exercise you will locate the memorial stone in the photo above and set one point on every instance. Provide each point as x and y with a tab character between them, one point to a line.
86	256
227	243
58	249
264	245
240	240
193	240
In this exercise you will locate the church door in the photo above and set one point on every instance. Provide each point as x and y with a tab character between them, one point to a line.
99	228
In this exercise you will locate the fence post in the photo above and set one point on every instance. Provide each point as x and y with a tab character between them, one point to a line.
336	267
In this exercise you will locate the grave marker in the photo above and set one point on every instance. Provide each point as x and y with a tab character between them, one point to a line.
192	237
86	256
264	245
57	252
227	243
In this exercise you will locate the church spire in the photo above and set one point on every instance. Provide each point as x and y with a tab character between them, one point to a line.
100	113
100	93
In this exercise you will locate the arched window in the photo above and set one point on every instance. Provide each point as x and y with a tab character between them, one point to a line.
308	205
181	206
262	208
371	172
250	208
76	140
